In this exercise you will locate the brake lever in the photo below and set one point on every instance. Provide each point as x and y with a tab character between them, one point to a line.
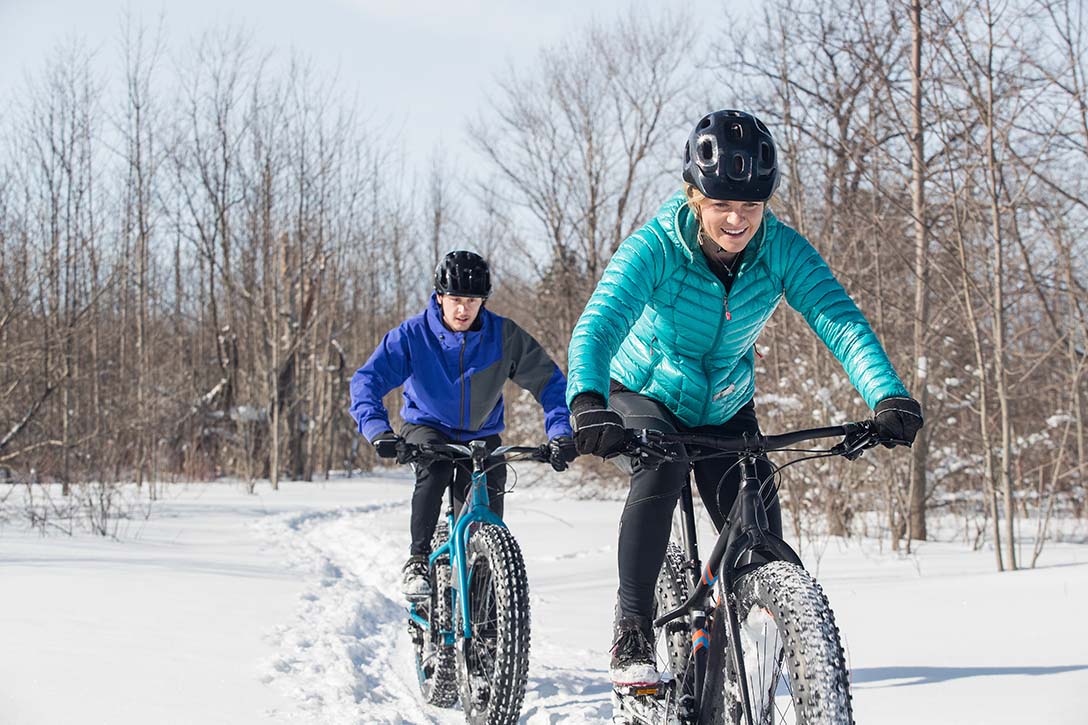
855	444
409	452
648	454
542	454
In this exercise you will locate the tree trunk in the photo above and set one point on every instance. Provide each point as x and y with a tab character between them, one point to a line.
919	384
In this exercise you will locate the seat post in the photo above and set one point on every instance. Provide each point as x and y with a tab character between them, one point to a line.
687	529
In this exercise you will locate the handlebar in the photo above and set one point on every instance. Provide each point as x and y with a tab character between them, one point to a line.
650	445
462	452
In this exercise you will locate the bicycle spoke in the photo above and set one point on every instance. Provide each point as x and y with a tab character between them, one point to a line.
784	676
484	616
762	650
763	672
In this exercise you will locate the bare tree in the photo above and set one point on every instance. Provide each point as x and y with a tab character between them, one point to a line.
578	147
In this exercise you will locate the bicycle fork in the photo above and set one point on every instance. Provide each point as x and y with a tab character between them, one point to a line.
476	512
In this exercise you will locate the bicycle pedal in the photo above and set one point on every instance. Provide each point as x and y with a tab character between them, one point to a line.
641	704
655	691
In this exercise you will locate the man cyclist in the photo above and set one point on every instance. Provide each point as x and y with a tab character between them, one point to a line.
453	359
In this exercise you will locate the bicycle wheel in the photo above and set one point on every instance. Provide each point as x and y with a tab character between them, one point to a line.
673	642
436	661
790	647
672	651
493	666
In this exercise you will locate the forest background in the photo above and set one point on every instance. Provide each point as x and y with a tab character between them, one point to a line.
190	275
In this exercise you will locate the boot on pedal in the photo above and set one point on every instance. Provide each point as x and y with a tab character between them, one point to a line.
633	660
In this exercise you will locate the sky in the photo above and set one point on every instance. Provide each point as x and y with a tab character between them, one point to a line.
425	63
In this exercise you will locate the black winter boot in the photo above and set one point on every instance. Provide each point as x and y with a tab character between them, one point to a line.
633	654
416	582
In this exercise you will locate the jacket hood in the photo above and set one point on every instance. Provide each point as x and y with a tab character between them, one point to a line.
682	228
447	337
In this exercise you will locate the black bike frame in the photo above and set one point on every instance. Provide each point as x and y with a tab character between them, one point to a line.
746	530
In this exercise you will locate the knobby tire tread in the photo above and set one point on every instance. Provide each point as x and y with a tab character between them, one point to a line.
496	546
440	689
813	654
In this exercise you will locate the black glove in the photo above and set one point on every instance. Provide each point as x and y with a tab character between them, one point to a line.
898	419
561	451
385	444
597	429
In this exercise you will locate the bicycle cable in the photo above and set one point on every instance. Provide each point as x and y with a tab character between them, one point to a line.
778	469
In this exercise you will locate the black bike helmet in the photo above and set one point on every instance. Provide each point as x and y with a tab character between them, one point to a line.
731	156
463	274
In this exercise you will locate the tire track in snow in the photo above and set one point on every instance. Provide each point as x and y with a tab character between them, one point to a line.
345	658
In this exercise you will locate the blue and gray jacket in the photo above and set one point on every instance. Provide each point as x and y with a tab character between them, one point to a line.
453	381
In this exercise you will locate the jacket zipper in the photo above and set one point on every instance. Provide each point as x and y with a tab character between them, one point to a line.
461	377
717	340
718	335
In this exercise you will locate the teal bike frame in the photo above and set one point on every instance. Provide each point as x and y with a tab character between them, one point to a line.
476	513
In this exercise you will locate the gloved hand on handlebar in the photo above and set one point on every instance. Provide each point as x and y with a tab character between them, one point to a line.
898	419
386	444
597	429
561	451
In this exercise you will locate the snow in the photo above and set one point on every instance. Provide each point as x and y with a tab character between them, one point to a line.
283	607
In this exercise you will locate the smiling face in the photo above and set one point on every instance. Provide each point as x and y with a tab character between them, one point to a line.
731	224
459	312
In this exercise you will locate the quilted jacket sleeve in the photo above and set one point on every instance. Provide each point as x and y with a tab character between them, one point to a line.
628	282
812	289
388	367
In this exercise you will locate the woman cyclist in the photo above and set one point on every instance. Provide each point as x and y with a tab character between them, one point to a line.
666	342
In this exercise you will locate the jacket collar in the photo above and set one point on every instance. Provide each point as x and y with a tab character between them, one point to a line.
446	337
680	225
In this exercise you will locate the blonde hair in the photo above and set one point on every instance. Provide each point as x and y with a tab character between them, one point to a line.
695	199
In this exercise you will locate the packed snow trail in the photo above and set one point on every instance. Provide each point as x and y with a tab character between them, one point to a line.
347	656
913	628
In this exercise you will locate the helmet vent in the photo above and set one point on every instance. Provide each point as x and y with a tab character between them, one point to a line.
766	155
705	123
738	166
708	150
736	131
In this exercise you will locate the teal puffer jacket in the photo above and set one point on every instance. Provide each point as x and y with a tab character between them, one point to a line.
660	323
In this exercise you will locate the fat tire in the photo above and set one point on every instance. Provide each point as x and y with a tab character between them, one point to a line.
673	589
438	685
672	645
811	650
498	654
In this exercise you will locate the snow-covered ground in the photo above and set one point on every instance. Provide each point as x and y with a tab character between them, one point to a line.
225	607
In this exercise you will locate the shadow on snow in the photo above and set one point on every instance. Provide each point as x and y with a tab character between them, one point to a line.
905	676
